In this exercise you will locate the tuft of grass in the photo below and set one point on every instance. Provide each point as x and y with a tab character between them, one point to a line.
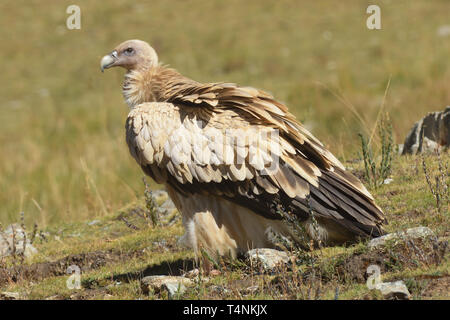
150	204
375	173
439	183
12	262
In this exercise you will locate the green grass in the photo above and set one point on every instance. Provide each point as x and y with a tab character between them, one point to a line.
58	111
63	156
114	256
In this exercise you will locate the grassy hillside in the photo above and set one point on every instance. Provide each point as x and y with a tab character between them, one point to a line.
114	253
62	151
64	160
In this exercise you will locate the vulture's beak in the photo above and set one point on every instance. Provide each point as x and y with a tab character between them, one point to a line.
109	60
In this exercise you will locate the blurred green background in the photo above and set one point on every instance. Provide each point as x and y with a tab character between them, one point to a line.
63	155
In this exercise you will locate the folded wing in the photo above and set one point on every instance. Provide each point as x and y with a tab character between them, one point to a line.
240	144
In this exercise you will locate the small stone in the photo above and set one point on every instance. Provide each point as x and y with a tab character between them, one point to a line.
160	244
412	233
393	290
174	289
268	258
93	222
15	233
192	273
169	283
221	290
9	295
251	290
215	273
387	181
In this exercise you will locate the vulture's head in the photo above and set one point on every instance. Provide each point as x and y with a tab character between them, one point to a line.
131	55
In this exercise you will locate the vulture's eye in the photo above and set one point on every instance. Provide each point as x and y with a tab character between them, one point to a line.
129	51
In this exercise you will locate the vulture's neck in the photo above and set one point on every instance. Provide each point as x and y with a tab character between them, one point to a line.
148	85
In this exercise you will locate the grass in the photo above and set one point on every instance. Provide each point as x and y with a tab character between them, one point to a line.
116	251
62	149
63	156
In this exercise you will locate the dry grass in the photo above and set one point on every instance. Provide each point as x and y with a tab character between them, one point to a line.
62	149
118	250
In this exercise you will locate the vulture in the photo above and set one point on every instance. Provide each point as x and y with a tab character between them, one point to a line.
239	167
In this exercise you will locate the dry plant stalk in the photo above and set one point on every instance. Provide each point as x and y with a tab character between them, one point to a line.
150	204
438	184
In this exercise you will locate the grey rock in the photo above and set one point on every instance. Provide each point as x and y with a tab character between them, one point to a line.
412	233
221	290
161	245
268	258
251	290
115	284
429	134
93	222
194	273
172	284
13	236
400	148
9	295
393	290
174	288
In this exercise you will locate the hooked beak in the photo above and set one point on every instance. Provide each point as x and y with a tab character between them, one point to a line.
109	60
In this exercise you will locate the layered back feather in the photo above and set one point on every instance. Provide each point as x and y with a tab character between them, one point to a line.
173	131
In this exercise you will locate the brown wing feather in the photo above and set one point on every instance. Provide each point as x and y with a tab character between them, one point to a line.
306	177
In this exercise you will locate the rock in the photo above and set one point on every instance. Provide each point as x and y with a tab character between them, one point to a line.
393	290
173	289
251	290
215	273
220	290
268	258
172	284
412	233
160	244
194	273
429	134
9	295
15	232
115	284
93	222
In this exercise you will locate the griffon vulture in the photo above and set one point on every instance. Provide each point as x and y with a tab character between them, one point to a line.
237	164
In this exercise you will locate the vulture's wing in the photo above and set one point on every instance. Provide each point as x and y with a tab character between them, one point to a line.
240	144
